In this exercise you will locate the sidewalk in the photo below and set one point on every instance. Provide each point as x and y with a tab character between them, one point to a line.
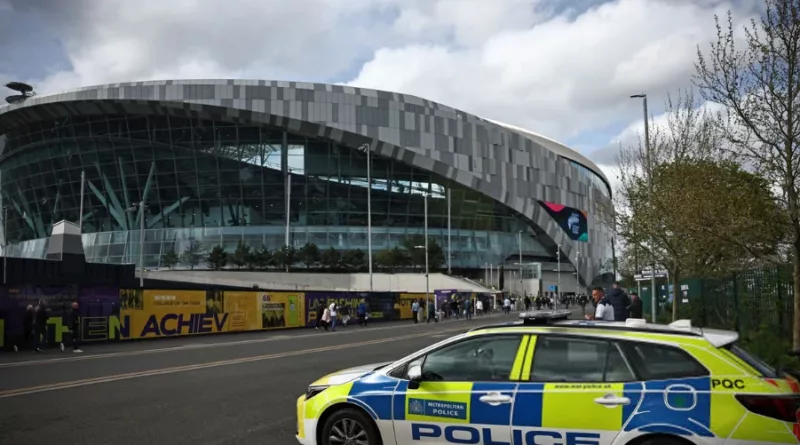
164	345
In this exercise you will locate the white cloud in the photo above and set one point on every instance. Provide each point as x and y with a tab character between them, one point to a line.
561	75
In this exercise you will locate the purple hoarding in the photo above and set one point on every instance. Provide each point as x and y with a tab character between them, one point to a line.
93	302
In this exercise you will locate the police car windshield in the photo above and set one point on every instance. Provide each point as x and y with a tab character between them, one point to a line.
764	369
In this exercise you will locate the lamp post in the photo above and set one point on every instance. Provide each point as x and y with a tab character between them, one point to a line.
365	149
577	272
519	242
649	161
427	277
140	206
5	241
558	271
449	228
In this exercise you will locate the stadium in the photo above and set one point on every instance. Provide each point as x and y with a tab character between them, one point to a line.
219	160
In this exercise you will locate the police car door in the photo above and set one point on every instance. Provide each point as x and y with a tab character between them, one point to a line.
460	393
575	392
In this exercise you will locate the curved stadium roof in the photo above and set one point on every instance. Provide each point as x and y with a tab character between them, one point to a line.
513	166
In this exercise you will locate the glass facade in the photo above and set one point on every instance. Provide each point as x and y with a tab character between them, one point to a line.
220	182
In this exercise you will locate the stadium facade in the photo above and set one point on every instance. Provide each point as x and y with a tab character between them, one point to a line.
218	160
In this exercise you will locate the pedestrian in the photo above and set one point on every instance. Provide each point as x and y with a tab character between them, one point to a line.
454	305
432	313
620	301
507	305
604	310
320	322
414	310
635	309
40	326
345	313
25	340
326	318
468	309
479	307
74	325
333	315
362	313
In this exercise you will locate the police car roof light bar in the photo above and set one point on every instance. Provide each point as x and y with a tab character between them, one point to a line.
544	317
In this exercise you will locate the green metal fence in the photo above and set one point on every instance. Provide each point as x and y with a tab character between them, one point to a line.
750	302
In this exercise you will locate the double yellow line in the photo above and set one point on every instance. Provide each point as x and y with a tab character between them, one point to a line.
176	369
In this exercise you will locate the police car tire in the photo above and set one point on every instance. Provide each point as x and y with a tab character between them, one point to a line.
662	441
373	436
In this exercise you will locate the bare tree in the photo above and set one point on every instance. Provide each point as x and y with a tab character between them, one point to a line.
758	86
643	222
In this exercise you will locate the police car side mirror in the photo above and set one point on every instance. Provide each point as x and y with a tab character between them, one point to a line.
414	376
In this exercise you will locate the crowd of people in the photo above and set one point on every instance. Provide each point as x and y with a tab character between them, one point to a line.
35	329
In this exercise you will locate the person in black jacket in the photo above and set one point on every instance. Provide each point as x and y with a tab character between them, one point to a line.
40	326
620	301
635	309
25	338
74	329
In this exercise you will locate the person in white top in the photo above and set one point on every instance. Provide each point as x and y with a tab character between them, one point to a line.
507	305
332	309
604	310
479	307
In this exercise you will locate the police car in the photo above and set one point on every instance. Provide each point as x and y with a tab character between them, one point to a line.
548	380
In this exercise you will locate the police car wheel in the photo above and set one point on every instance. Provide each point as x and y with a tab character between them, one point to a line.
662	441
349	427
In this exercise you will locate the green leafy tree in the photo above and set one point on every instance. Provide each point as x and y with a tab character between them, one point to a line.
757	86
170	259
436	258
415	250
285	257
331	259
262	258
217	258
193	253
309	255
391	259
354	259
643	219
414	247
241	255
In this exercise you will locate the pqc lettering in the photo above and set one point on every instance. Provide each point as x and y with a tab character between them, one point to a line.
727	383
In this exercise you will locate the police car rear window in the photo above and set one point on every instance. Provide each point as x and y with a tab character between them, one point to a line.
759	365
659	362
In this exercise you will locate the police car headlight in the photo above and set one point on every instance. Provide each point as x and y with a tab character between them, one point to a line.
314	390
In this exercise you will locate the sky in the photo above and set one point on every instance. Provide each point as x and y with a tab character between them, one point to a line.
562	68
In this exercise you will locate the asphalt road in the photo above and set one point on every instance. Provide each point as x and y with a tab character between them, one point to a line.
233	389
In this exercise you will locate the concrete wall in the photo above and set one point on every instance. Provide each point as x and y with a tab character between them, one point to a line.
300	281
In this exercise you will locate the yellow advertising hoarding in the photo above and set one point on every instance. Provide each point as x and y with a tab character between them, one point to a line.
281	309
244	310
403	304
166	313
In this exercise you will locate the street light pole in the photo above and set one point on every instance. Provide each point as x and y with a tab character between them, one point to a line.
649	161
369	213
141	244
558	285
427	277
577	272
519	241
5	239
449	228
